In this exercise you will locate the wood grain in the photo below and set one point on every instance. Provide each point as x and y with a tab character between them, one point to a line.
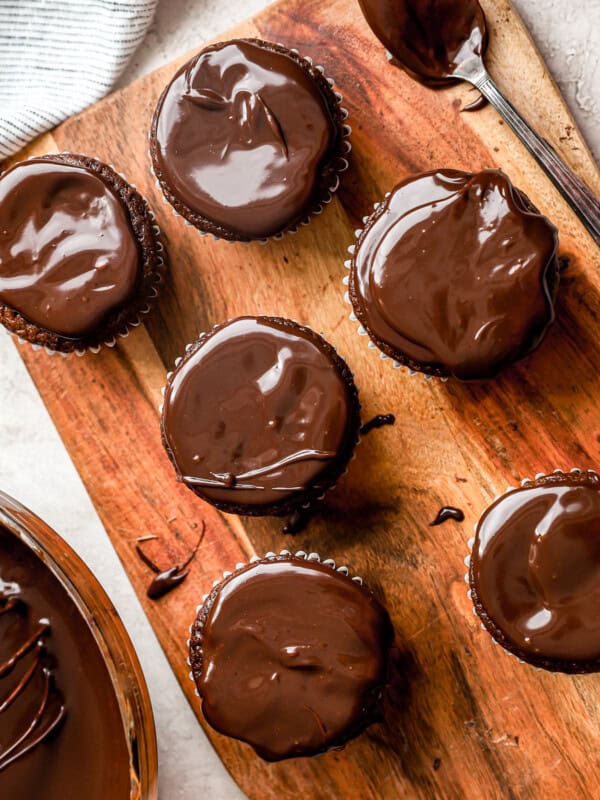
463	720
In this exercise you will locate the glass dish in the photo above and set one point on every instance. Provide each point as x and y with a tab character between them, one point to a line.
109	633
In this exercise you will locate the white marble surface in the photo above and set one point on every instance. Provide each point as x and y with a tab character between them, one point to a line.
35	468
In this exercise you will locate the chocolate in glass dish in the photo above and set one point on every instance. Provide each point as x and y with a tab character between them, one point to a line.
456	274
291	656
61	730
428	38
75	715
80	258
535	571
247	140
261	416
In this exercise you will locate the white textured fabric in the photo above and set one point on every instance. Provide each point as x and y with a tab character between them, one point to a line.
59	56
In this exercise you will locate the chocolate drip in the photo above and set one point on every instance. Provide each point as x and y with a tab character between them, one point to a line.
446	513
377	422
51	708
298	521
428	39
477	104
167	579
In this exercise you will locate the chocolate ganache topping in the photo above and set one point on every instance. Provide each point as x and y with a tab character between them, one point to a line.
68	254
61	732
429	38
290	656
259	412
456	274
240	136
535	570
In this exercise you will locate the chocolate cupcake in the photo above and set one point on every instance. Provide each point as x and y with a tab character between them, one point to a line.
248	140
290	655
261	416
80	256
455	274
534	571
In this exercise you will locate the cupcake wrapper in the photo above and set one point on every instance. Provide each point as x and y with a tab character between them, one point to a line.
151	296
360	330
525	482
341	164
328	562
319	498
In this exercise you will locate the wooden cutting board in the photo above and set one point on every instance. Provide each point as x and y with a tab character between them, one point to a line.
467	721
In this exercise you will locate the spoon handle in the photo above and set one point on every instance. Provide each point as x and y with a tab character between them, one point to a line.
576	193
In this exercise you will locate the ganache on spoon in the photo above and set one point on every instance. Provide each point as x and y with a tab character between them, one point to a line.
428	38
437	41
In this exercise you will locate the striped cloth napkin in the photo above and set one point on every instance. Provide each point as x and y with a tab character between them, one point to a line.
59	56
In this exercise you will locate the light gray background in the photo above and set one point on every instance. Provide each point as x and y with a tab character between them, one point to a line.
34	466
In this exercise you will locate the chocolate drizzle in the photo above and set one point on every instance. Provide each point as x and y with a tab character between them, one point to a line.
259	413
165	580
428	38
455	274
230	481
446	513
377	422
50	710
240	137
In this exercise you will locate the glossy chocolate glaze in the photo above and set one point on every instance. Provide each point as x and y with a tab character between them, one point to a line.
456	274
241	133
429	38
291	657
258	413
68	254
446	513
86	754
535	568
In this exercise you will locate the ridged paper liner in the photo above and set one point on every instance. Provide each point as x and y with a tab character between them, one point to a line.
152	295
270	556
308	505
340	166
525	483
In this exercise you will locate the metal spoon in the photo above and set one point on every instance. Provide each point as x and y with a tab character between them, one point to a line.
576	193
